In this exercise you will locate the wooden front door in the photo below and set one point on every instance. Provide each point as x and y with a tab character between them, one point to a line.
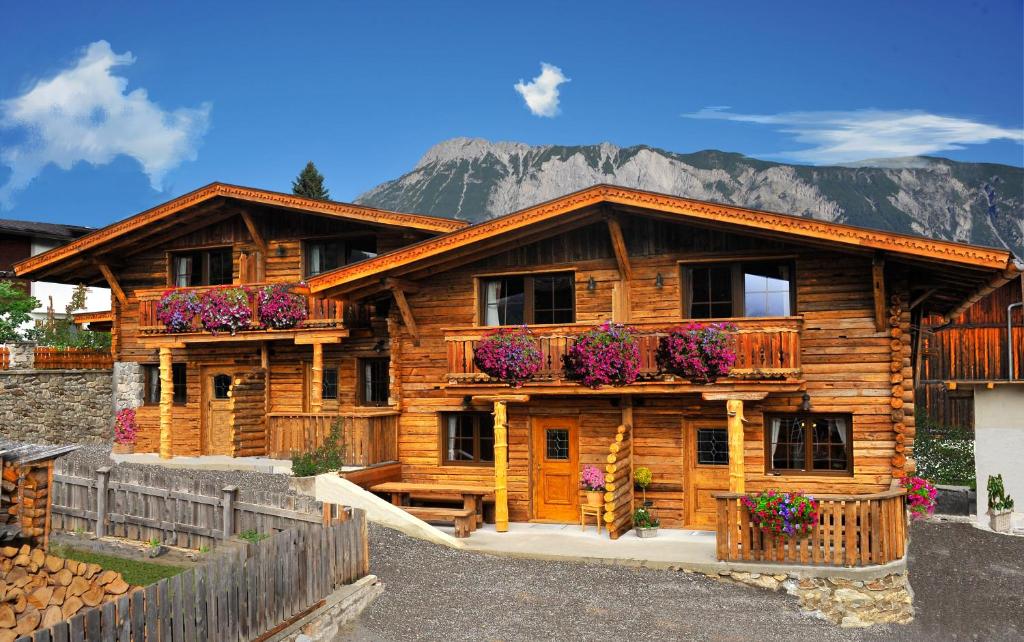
707	470
217	412
556	469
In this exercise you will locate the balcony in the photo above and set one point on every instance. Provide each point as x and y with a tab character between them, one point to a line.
323	315
370	436
767	352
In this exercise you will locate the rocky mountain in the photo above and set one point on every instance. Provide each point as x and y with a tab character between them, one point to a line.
476	179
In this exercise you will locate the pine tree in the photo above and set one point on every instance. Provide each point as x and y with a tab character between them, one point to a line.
310	183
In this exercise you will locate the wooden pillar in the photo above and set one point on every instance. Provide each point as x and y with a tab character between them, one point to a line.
500	466
734	410
166	403
316	385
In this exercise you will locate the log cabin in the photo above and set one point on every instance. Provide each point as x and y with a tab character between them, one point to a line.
820	399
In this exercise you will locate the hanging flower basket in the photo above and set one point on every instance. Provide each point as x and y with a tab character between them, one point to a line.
509	354
280	308
177	310
698	352
782	513
606	355
225	310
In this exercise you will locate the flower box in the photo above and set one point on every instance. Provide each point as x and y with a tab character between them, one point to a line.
508	354
606	355
698	352
225	310
280	308
177	310
781	513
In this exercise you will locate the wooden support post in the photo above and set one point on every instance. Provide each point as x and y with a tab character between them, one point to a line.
102	485
407	318
734	409
316	384
621	304
500	466
254	232
229	511
878	290
115	287
166	403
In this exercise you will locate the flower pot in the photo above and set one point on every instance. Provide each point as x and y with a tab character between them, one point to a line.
647	532
123	449
595	498
999	522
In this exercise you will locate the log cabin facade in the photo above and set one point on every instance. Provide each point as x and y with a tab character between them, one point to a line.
821	398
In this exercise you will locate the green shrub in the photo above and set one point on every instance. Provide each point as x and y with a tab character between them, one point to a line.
252	535
327	458
945	455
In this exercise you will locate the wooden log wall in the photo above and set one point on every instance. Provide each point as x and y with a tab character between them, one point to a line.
618	479
248	413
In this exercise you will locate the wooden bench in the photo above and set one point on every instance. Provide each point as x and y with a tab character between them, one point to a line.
464	518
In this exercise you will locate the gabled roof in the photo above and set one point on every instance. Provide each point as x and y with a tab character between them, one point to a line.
55	231
358	213
356	276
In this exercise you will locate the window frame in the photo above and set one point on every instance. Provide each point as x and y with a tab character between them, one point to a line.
738	288
385	364
346	246
770	468
151	370
203	253
529	295
324	383
443	434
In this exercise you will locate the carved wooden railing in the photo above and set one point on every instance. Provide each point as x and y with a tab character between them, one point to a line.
370	437
47	358
321	313
766	348
852	530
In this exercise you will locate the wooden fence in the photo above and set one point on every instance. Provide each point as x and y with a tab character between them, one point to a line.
370	437
5	358
852	530
72	359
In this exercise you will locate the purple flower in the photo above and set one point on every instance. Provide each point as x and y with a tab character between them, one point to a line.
508	354
592	478
279	308
177	310
226	309
698	352
606	355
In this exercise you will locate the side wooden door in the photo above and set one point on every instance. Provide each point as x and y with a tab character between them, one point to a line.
556	469
706	470
217	412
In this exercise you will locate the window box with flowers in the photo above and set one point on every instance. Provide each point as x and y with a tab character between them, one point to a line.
126	430
699	352
606	355
509	354
226	310
776	512
177	310
280	308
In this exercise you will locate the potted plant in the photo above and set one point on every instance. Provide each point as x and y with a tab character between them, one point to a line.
177	310
593	482
1000	505
698	352
508	354
280	308
645	523
605	355
225	310
126	429
782	513
642	477
921	495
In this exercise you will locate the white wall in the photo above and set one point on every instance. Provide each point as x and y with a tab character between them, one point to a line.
96	300
999	443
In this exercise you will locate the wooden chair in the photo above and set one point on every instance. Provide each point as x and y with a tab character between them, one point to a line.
585	510
463	518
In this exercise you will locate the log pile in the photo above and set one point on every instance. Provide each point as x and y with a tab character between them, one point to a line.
26	498
38	590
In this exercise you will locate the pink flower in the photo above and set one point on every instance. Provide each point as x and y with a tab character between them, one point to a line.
126	427
508	354
606	355
698	352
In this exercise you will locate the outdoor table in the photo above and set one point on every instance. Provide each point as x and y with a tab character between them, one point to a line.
472	495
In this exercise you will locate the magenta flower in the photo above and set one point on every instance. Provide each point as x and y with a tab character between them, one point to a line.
226	309
177	310
921	495
280	308
592	478
508	354
697	352
606	355
126	428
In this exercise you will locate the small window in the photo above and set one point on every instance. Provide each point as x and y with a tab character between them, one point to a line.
151	384
710	292
809	443
323	256
374	381
556	444
712	447
221	386
202	267
468	438
329	385
754	289
540	298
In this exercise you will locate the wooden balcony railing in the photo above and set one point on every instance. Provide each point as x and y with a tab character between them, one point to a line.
852	530
370	437
766	348
322	313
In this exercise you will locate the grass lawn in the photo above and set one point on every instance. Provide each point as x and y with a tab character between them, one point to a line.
135	572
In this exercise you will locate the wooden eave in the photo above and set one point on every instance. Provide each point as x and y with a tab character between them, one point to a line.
104	316
958	256
95	241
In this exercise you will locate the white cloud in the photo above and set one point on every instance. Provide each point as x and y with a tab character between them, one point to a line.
847	136
541	93
85	113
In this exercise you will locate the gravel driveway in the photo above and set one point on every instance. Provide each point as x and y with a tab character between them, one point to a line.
968	584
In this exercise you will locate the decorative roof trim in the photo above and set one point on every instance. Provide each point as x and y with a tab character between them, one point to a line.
685	208
93	317
251	194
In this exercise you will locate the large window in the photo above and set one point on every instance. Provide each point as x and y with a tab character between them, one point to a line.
537	298
201	267
322	256
809	443
151	384
468	438
374	381
750	289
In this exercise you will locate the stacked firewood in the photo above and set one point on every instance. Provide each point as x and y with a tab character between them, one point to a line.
26	492
39	590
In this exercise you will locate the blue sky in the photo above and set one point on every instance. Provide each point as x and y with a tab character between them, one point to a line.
248	92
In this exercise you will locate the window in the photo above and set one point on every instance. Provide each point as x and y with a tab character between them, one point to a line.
151	384
712	447
329	385
374	381
556	444
221	386
539	298
809	443
753	289
468	438
202	267
322	256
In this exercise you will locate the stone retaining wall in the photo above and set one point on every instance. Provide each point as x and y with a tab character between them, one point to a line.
57	406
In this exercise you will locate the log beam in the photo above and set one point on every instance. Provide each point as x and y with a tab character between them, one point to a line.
254	232
500	466
112	281
407	317
737	480
316	384
501	398
878	291
997	282
726	396
619	245
405	285
166	403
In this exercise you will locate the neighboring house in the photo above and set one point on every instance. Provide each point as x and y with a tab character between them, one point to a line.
821	398
21	239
